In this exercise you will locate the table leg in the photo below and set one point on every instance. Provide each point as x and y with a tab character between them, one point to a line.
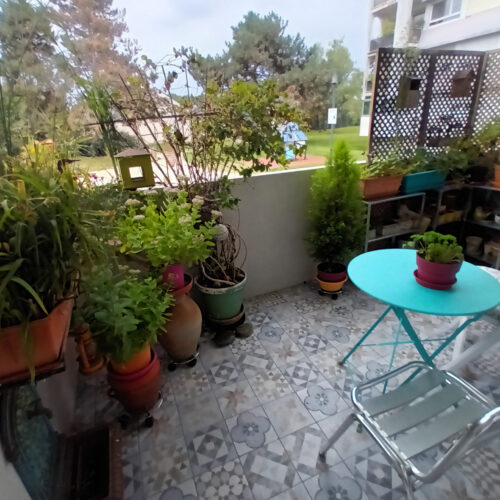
413	335
360	341
396	342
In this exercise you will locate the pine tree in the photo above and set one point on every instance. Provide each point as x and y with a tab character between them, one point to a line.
336	211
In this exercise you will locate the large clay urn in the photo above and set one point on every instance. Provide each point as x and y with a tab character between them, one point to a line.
183	329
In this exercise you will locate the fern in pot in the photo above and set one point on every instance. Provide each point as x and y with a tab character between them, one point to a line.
336	214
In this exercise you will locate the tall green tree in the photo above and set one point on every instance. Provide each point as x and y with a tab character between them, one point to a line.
29	73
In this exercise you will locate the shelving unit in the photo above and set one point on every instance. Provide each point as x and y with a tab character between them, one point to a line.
370	203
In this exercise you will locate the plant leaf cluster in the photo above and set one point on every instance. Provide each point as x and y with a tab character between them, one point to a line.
336	212
437	247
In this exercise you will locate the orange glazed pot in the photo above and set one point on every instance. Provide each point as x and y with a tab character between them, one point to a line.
47	338
139	361
138	391
380	187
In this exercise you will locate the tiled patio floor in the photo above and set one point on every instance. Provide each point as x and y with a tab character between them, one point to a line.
248	420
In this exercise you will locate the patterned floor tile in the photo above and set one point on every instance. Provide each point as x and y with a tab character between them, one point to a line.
199	412
210	354
164	465
301	374
132	478
167	427
210	447
298	492
336	482
271	333
269	385
321	400
269	470
285	352
254	359
312	343
303	448
236	398
251	430
372	470
188	382
287	414
183	491
351	441
482	467
224	372
224	482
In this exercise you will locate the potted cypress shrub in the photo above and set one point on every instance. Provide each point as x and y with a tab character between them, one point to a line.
125	313
336	214
46	241
439	258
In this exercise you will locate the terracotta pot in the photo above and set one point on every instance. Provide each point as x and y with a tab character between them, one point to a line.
497	173
174	276
48	336
138	391
331	286
183	328
380	187
139	361
436	275
338	274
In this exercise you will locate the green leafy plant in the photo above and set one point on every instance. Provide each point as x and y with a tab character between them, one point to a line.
336	210
170	234
124	311
437	247
393	164
46	241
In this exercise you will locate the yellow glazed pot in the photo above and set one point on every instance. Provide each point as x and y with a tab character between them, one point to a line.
331	286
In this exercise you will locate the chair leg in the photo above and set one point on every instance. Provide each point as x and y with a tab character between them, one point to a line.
345	425
408	487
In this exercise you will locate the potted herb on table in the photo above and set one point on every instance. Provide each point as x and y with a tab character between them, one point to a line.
439	258
336	214
45	243
125	313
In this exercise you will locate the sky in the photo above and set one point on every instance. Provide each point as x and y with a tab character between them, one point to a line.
160	25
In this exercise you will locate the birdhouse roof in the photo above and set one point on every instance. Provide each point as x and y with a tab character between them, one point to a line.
132	152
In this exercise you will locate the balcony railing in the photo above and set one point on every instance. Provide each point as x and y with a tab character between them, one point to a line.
379	3
383	41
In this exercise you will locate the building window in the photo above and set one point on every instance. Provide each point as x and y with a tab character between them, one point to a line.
366	106
446	10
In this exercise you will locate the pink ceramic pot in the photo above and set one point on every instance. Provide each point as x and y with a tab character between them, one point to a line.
174	276
436	275
334	277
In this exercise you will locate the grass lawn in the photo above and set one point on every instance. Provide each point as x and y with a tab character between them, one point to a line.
319	141
93	164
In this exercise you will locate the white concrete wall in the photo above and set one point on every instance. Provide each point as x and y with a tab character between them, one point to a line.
271	218
11	487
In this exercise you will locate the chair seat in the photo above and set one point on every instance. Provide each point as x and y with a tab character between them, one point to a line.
423	412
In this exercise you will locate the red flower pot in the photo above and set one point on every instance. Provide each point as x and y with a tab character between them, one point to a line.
137	391
332	275
174	276
436	275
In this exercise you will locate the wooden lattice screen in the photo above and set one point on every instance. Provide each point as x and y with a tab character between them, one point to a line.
488	103
436	115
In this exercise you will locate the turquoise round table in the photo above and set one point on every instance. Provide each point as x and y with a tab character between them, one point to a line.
387	275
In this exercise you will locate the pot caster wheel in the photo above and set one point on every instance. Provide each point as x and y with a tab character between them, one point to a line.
321	292
335	296
192	363
171	367
149	422
124	421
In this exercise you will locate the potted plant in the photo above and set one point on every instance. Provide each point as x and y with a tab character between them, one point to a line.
381	177
125	313
46	241
439	258
337	215
221	282
489	141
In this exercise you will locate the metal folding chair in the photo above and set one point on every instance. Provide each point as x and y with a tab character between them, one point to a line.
432	408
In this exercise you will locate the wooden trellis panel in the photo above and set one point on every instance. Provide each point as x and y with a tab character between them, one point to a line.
437	116
488	103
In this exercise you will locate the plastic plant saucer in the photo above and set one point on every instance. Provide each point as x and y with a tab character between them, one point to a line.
433	286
